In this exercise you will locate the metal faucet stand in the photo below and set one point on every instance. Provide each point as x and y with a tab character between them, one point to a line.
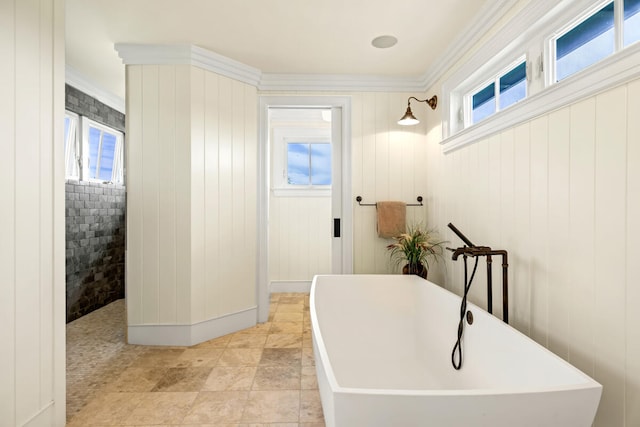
472	250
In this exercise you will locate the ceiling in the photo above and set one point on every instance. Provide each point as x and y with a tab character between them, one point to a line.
274	36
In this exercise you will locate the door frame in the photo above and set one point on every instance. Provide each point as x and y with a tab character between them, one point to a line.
265	102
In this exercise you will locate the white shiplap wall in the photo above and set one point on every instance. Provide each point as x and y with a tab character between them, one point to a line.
562	194
32	306
299	237
388	163
191	184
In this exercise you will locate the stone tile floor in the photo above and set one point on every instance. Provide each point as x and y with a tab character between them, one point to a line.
262	376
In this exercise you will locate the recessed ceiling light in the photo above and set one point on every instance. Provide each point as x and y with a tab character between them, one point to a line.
383	42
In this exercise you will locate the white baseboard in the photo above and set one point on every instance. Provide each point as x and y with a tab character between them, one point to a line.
294	286
188	335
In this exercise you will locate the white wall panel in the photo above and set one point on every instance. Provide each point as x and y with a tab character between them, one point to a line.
167	275
632	377
191	167
567	206
32	225
610	242
580	253
150	185
558	217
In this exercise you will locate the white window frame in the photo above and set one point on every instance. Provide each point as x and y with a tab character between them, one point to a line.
283	136
117	172
541	20
468	98
72	146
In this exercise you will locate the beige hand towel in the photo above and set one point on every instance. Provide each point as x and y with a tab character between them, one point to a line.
391	218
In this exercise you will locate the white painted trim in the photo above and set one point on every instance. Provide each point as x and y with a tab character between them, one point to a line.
344	102
339	82
44	417
141	54
619	68
188	335
295	286
79	81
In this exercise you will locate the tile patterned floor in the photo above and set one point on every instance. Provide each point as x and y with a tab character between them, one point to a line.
262	376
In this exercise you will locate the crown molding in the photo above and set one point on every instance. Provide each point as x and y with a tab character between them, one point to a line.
143	54
338	82
79	81
488	16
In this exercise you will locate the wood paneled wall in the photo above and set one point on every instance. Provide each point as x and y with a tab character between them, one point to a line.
299	237
562	194
32	305
191	182
389	162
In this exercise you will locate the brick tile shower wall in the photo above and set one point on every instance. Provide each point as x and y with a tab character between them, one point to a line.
95	225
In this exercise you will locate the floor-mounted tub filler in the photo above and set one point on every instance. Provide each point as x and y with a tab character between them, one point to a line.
383	344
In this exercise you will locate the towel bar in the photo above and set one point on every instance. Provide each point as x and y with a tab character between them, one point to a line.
359	200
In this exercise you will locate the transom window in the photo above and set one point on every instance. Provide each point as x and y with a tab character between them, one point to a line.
506	88
595	36
308	163
554	41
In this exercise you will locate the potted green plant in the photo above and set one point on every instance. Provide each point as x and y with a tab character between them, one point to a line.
415	249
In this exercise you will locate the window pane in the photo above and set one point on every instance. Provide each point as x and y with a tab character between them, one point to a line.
67	125
586	44
321	164
94	145
631	21
513	86
484	103
106	157
298	163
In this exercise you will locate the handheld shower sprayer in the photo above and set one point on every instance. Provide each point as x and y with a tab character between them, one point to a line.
471	250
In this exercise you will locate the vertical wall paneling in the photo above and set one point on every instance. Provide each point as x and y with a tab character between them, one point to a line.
367	215
580	252
520	286
198	232
539	227
8	215
610	241
249	261
32	216
166	197
357	177
238	262
135	226
46	226
558	217
508	239
225	174
188	179
212	199
28	204
632	385
150	174
184	194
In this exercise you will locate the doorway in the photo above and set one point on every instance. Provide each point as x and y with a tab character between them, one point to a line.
305	209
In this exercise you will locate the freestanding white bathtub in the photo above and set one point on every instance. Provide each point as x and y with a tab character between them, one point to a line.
383	357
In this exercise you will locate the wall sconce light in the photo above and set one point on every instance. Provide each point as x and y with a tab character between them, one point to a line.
409	119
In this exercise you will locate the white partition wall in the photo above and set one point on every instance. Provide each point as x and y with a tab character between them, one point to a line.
32	305
191	220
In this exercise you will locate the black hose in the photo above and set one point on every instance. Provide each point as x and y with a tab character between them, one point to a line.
457	348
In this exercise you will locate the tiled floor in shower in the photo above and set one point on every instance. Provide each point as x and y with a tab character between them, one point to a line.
257	377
